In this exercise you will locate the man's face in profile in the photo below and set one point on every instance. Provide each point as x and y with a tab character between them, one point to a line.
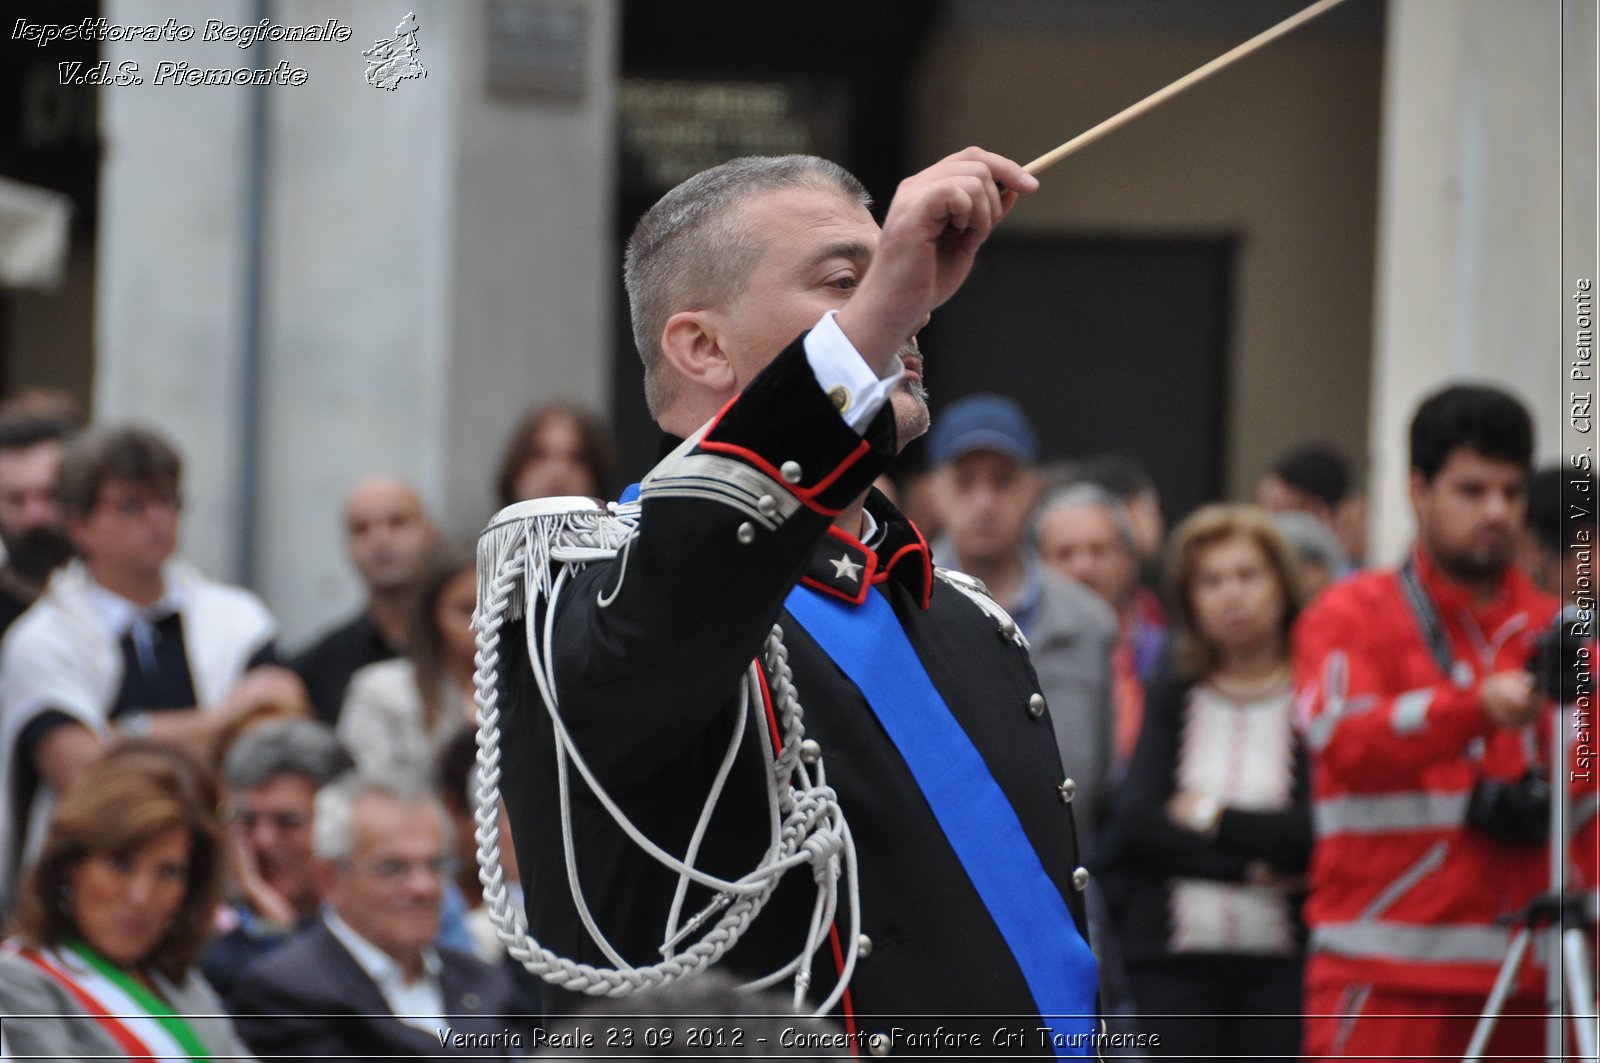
816	246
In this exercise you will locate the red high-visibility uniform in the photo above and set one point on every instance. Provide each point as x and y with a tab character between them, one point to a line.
1404	896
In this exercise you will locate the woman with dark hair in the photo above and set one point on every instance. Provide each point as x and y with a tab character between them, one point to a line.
399	714
558	449
1213	829
113	916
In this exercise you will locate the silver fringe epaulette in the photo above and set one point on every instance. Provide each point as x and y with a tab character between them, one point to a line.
975	589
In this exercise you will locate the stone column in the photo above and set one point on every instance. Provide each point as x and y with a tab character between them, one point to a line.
1470	278
432	260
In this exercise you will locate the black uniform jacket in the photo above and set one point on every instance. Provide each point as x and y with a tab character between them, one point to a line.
648	686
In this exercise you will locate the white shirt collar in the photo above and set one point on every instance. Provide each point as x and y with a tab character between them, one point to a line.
118	614
417	1003
869	529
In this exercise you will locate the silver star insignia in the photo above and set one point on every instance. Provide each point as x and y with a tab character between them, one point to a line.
844	568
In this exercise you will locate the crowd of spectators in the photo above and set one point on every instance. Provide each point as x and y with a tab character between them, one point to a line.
191	823
1252	652
194	824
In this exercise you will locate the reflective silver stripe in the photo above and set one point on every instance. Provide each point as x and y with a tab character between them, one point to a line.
1403	883
1418	810
1355	1001
721	479
1410	712
1447	943
1336	705
1321	730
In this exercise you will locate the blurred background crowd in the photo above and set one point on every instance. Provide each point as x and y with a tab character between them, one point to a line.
190	808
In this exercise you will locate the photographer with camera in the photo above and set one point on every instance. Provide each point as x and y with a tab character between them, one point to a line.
1427	727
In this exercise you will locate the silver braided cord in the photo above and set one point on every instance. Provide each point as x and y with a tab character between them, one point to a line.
529	558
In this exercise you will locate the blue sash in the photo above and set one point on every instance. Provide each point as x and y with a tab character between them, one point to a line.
869	646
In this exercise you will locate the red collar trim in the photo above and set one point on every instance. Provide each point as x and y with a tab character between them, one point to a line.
831	570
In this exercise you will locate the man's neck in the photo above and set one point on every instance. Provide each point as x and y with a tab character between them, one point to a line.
138	586
1006	577
852	519
390	612
411	965
1482	589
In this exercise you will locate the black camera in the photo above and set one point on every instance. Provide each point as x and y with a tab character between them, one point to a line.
1517	813
1562	661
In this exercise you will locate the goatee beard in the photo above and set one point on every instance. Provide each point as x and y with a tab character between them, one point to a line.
1467	568
35	554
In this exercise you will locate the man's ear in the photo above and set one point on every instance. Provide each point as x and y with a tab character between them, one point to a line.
1418	488
690	344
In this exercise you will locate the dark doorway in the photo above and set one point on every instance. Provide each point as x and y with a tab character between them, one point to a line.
1115	345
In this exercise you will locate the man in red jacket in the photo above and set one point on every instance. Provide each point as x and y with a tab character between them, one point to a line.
1415	694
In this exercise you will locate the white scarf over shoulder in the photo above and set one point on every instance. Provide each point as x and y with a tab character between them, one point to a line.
59	655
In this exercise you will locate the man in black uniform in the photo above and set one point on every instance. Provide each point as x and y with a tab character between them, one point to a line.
935	738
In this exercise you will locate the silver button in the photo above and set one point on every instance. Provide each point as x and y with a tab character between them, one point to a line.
878	1044
1036	706
767	505
791	471
1008	629
747	533
1080	879
863	946
810	751
1068	790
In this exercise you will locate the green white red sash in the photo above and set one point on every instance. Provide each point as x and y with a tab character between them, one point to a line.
141	1023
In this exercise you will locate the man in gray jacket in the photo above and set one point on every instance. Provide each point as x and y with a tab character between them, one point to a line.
986	456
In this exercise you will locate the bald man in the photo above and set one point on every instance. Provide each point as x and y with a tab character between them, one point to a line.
388	532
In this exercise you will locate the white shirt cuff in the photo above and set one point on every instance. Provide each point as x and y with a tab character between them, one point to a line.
857	392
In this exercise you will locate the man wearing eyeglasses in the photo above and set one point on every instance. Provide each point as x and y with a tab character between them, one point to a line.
270	779
366	981
126	642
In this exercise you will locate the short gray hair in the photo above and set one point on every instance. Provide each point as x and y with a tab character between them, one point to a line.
1088	496
334	819
691	251
284	747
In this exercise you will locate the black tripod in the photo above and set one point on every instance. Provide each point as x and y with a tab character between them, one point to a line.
1563	920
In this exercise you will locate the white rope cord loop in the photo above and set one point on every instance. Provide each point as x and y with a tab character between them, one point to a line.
526	555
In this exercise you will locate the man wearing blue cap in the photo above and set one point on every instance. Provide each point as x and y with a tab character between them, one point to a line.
986	454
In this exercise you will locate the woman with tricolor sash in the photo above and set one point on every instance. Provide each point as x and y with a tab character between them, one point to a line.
112	918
